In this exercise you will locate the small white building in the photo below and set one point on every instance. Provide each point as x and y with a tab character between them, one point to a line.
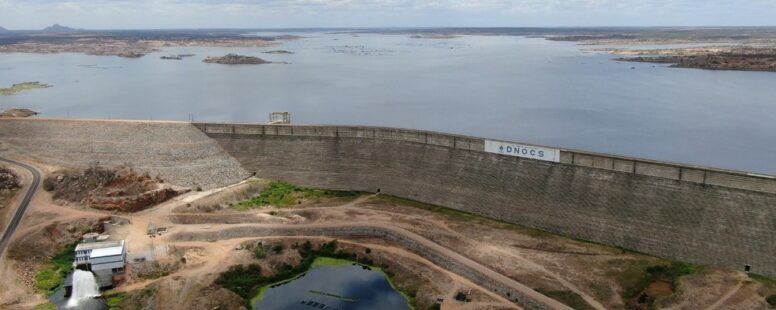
104	259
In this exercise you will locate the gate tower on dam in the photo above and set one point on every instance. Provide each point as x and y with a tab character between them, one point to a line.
680	212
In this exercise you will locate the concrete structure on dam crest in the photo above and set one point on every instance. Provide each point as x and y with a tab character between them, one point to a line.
680	212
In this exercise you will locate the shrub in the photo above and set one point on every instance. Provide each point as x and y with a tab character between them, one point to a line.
52	274
259	252
241	279
281	194
114	300
771	300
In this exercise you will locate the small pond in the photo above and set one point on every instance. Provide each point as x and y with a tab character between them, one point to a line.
333	284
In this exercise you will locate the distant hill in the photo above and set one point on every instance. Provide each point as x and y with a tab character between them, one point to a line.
3	29
59	28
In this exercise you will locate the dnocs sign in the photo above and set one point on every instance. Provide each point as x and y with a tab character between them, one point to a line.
519	150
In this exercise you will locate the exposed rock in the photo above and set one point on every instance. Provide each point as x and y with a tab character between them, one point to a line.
234	59
105	189
18	113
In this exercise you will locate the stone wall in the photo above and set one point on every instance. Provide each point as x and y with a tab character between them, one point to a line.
680	212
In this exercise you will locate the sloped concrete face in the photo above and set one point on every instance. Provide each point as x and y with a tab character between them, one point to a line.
177	152
665	216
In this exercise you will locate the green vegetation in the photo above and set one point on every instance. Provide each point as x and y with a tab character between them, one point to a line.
46	306
330	262
53	272
114	300
16	88
283	194
569	298
769	282
250	284
636	279
771	300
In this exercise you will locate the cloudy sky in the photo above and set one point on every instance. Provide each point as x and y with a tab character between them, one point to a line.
134	14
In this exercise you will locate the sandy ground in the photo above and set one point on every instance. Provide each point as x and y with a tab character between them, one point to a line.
535	259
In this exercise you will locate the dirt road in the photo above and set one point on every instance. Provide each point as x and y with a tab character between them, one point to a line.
436	253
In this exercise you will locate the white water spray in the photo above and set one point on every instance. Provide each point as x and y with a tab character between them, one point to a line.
84	287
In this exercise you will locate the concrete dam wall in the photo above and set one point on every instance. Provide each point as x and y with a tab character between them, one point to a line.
680	212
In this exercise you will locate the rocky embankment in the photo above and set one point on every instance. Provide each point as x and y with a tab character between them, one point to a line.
108	189
177	152
234	59
746	59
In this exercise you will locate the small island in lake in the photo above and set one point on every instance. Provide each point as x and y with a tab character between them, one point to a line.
234	59
176	57
733	59
18	113
278	52
17	88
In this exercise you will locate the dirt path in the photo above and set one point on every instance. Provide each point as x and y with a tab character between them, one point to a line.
589	299
448	254
725	297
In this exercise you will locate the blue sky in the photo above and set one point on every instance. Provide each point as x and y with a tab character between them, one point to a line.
137	14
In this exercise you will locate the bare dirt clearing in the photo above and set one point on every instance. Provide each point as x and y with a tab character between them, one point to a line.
182	274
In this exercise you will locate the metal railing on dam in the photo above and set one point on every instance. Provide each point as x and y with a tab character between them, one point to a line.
653	168
680	212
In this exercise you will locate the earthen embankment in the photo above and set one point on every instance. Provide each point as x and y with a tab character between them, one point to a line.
175	151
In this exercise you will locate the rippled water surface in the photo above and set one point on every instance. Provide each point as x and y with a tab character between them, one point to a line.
520	89
335	288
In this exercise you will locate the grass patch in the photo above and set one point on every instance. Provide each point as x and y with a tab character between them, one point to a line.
53	272
636	279
16	88
46	306
114	300
569	298
330	262
283	194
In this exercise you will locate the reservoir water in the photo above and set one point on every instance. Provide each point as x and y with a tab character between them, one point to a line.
342	287
503	87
